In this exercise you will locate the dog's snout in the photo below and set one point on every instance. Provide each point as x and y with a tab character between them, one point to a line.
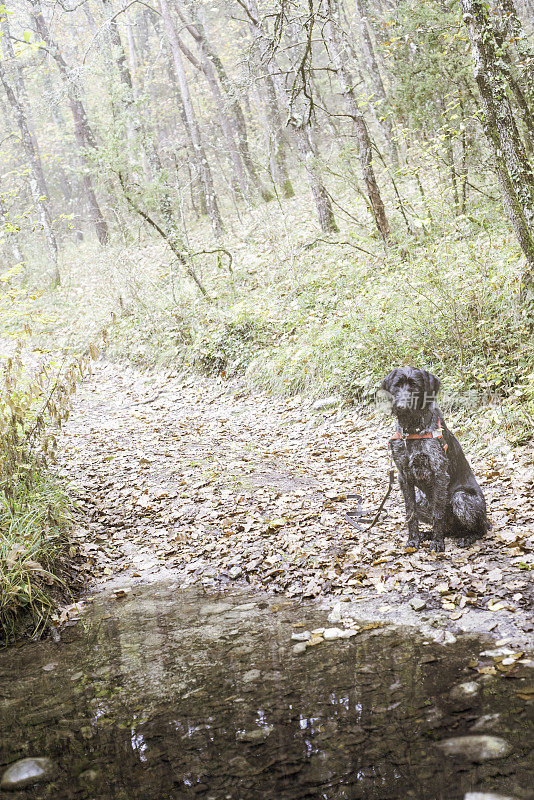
403	399
402	402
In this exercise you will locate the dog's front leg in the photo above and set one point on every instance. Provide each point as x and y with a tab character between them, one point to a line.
408	491
439	511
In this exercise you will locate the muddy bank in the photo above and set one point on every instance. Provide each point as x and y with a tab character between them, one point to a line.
213	485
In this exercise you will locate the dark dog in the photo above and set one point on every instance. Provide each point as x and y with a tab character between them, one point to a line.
437	482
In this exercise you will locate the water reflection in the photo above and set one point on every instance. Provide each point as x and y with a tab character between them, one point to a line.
172	694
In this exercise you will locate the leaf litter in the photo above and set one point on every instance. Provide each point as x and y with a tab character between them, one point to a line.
215	484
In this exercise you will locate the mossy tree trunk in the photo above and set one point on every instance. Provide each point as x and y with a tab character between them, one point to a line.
515	174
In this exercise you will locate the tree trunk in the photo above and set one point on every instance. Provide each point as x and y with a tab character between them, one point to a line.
334	45
523	47
68	184
323	205
520	75
82	131
10	233
198	199
276	139
514	172
376	81
300	128
239	126
135	73
205	66
201	161
20	91
274	98
37	184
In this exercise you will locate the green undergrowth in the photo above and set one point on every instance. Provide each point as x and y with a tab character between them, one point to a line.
34	550
302	313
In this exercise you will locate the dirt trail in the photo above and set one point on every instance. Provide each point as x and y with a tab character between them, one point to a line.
204	480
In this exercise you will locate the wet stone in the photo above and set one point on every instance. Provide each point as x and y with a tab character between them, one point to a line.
462	691
445	637
26	772
251	675
258	735
476	748
485	722
487	796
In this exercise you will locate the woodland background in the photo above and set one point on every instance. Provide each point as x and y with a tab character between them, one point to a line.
302	192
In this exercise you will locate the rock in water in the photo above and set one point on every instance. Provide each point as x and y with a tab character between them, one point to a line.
258	735
251	675
486	796
25	772
475	748
462	691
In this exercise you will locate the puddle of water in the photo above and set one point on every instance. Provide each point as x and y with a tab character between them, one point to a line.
175	694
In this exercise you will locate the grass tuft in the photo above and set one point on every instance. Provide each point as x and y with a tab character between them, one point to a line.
33	545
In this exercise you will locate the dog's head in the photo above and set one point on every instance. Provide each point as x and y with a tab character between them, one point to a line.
411	392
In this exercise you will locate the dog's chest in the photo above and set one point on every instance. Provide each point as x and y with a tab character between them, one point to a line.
418	460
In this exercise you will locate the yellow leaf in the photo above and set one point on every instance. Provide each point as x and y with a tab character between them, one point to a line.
496	605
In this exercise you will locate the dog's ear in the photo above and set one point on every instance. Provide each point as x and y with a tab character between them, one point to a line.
389	380
432	384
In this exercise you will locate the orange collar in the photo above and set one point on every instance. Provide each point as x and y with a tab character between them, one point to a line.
437	434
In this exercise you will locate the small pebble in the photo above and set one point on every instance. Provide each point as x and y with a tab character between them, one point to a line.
301	636
417	603
245	607
235	572
257	735
349	632
332	633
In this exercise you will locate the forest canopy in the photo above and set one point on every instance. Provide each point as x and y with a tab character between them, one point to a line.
197	164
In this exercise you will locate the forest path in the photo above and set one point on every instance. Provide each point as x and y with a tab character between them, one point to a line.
204	481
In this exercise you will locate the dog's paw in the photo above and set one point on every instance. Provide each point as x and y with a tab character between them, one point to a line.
413	543
466	541
438	545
